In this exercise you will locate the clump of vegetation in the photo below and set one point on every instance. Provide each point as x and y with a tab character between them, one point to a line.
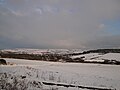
10	82
3	62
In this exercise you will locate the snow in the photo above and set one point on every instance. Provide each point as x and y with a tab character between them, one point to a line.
94	75
111	56
42	51
87	56
99	57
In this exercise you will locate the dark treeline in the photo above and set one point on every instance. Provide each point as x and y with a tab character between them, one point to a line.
43	57
103	51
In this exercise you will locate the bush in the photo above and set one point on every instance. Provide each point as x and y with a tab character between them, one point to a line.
3	62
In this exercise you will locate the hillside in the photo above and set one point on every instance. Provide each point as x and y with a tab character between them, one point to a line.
102	56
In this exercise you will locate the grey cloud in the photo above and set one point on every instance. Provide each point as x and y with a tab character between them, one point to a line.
105	42
57	23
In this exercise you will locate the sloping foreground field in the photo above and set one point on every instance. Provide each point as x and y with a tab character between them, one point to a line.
41	75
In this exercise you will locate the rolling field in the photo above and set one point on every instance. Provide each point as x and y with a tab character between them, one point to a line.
41	75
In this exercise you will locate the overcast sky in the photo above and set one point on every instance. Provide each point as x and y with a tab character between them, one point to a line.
59	24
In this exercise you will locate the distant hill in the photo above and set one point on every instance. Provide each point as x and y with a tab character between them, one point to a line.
103	51
103	56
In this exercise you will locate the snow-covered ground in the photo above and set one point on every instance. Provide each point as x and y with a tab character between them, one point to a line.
99	57
87	56
34	73
111	56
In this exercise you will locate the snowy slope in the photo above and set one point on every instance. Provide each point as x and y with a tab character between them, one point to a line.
93	75
87	56
99	57
111	56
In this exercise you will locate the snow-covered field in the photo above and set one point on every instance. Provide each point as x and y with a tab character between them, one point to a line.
31	75
99	57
